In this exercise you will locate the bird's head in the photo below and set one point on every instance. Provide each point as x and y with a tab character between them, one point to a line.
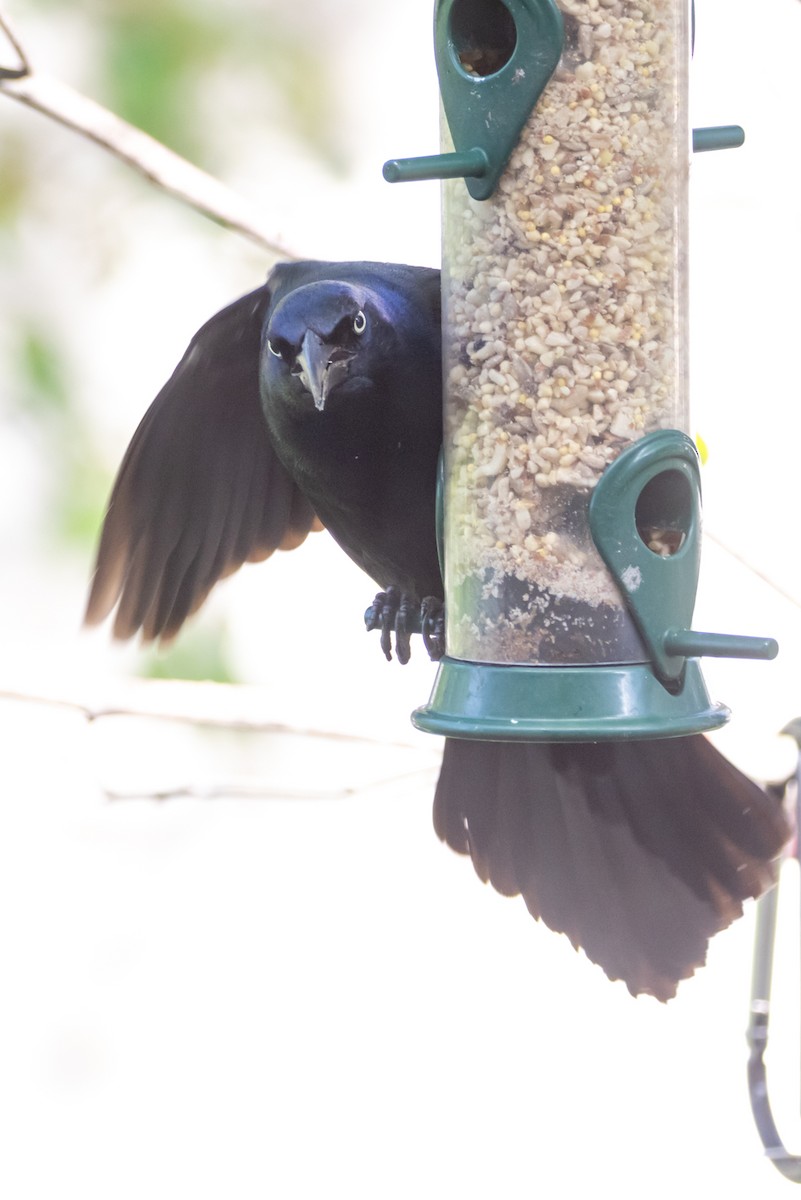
320	340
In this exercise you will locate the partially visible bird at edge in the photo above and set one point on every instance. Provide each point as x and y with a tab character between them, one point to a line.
316	401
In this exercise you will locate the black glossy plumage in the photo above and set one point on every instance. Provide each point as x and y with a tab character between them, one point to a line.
200	489
638	851
367	461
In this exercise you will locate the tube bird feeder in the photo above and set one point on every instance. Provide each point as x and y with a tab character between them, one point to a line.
571	493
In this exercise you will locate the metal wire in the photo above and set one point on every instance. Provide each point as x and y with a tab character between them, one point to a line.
757	1033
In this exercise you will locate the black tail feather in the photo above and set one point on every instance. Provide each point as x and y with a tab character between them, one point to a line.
640	851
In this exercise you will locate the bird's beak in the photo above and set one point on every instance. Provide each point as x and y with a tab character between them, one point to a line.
320	367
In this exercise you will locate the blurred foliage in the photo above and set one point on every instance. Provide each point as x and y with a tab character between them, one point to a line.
83	482
14	177
170	67
43	371
153	57
199	654
158	56
42	397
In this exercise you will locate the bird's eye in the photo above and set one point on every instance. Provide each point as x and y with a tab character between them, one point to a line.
359	322
274	350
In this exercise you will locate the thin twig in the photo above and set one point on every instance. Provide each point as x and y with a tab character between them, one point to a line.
149	157
202	719
749	566
220	695
256	791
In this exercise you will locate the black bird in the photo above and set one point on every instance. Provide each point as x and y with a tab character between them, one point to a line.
317	398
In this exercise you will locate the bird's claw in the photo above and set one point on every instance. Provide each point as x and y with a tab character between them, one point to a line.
389	612
393	611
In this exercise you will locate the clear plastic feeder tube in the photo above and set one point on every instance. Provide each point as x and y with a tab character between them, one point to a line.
565	336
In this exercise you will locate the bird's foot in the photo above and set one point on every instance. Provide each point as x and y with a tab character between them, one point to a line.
393	611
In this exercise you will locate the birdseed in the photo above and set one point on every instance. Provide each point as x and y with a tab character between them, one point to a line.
565	342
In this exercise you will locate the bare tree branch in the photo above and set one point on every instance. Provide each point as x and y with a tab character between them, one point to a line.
24	67
231	707
234	708
149	157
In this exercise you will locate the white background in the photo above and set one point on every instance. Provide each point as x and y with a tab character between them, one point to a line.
305	997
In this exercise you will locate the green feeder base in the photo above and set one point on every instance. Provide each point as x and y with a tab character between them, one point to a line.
565	704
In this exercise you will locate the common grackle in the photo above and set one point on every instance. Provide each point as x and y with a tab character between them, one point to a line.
317	397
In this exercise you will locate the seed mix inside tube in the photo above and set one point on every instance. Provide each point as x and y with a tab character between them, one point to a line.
564	336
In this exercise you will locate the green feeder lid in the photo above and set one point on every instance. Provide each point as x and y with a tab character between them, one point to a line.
594	703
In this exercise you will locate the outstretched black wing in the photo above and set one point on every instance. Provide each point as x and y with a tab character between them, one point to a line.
200	490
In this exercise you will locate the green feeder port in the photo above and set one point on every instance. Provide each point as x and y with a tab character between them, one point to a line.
571	496
493	60
644	516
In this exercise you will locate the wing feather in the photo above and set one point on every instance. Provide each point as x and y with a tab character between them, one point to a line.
200	489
